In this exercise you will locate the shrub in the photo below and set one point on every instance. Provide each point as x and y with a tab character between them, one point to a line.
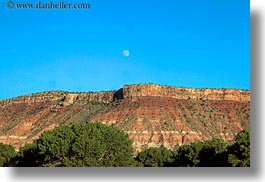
91	144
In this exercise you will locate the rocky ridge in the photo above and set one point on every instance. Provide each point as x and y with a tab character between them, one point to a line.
152	115
134	92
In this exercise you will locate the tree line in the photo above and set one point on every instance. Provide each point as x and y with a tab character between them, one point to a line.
98	145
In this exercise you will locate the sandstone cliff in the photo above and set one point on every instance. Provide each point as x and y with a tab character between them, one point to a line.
134	92
67	97
141	90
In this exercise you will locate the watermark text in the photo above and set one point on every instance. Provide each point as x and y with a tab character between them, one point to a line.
47	5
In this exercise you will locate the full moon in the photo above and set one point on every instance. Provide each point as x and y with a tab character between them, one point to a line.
126	53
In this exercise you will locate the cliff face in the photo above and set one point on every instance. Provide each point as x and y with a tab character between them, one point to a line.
67	97
142	90
134	92
152	115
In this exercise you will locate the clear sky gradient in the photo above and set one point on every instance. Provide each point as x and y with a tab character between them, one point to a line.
189	43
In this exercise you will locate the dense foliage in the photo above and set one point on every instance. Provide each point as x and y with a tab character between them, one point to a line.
239	152
209	153
92	144
7	152
95	144
156	157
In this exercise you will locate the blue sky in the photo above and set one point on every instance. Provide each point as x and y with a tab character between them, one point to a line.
189	43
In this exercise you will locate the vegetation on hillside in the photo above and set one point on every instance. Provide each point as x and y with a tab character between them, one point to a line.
7	152
98	145
92	144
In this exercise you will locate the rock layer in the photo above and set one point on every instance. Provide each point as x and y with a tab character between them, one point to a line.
134	92
142	90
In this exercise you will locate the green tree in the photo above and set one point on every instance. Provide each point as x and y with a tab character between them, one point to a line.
201	154
213	153
156	157
188	155
239	152
7	152
91	144
27	156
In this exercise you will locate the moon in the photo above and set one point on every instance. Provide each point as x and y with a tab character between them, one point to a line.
126	53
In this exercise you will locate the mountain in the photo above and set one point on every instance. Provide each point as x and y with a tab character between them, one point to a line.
152	115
